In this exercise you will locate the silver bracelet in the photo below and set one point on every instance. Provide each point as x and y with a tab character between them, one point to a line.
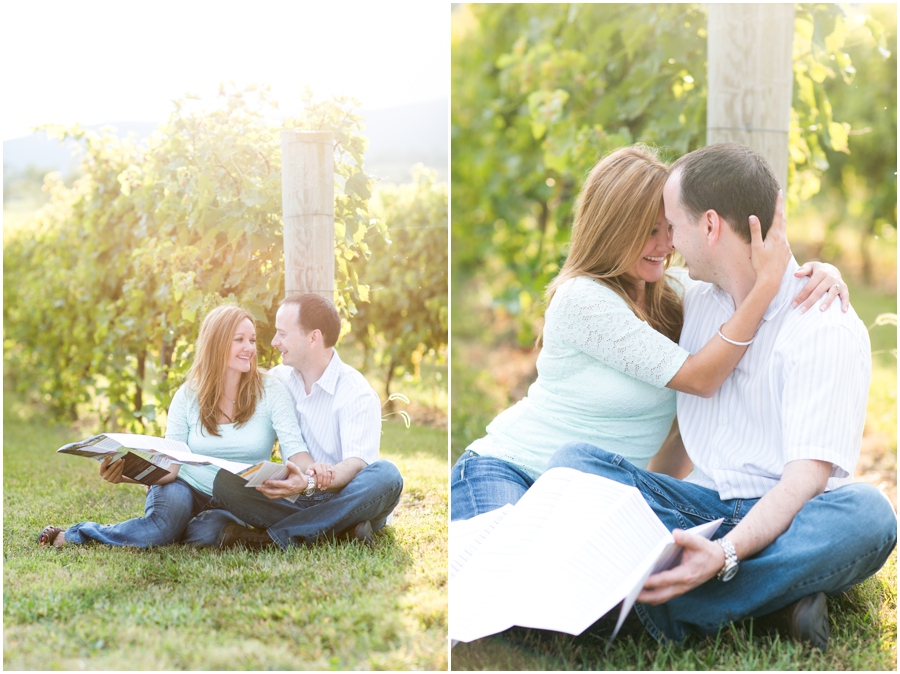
731	341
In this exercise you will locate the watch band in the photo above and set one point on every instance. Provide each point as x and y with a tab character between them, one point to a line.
730	568
310	486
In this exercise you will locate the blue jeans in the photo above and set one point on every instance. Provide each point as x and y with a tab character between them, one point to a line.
173	512
837	540
479	484
371	495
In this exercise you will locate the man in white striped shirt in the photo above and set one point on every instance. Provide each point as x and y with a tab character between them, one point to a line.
343	488
774	449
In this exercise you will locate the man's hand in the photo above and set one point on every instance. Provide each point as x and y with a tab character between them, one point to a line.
295	483
701	560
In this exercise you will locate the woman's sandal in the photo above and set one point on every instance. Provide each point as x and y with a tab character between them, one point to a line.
48	535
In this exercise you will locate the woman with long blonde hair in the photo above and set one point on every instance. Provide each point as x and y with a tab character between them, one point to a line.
226	409
610	362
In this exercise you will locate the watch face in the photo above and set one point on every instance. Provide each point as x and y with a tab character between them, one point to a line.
730	573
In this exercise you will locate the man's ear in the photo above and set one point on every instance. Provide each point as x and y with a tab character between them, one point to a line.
315	337
712	225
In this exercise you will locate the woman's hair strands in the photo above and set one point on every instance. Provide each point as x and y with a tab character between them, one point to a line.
207	373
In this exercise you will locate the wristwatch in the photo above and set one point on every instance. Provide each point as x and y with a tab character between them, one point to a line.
311	486
730	568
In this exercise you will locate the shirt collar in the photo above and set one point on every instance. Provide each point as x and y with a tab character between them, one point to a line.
329	379
786	291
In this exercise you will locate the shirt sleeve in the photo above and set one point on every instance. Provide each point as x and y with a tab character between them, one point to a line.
360	426
826	388
177	426
284	418
591	318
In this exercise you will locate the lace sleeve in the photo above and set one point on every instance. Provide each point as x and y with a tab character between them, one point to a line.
283	418
177	426
592	318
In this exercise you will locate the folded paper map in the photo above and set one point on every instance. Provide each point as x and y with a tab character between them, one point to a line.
593	540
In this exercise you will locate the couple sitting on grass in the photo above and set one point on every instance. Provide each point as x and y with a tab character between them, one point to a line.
325	415
771	400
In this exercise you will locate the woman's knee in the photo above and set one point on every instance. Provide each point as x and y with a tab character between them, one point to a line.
169	509
576	455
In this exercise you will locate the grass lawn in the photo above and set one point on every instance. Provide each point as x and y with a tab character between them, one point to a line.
863	638
336	606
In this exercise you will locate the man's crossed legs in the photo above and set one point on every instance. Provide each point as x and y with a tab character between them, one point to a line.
837	540
370	497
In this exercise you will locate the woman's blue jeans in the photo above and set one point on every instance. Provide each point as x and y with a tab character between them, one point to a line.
837	540
173	512
479	484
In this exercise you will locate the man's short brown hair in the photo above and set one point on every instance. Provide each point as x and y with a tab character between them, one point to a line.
317	313
732	180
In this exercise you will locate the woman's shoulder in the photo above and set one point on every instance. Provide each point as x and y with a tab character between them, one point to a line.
185	393
586	291
273	387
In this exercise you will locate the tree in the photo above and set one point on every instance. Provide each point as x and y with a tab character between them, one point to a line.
540	92
405	319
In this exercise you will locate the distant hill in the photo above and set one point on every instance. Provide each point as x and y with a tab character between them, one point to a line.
398	138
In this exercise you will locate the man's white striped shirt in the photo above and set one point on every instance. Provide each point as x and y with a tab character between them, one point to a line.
799	392
341	416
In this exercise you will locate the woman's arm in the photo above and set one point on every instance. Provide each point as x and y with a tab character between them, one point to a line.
672	459
283	418
704	372
825	279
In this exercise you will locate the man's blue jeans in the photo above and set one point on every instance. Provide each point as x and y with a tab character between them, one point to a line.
479	484
838	539
371	495
173	512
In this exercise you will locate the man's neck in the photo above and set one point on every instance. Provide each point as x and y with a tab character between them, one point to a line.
313	371
736	276
738	286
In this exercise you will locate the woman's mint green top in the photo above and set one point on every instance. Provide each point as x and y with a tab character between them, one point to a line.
250	443
601	379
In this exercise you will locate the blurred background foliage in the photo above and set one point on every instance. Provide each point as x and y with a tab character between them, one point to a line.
105	283
540	92
405	321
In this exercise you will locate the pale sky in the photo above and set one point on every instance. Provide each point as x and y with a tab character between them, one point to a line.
97	61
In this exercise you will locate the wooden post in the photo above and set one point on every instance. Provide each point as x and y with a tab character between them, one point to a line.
750	79
307	202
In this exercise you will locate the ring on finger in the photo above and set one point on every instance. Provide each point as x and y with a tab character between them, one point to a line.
836	286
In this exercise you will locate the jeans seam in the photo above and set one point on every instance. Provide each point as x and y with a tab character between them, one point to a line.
648	623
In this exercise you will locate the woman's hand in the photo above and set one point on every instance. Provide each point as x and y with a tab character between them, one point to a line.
324	474
770	257
825	279
111	471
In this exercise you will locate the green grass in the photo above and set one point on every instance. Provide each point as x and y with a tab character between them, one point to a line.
335	606
863	638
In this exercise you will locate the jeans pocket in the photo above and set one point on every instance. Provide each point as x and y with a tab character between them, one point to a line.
459	467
